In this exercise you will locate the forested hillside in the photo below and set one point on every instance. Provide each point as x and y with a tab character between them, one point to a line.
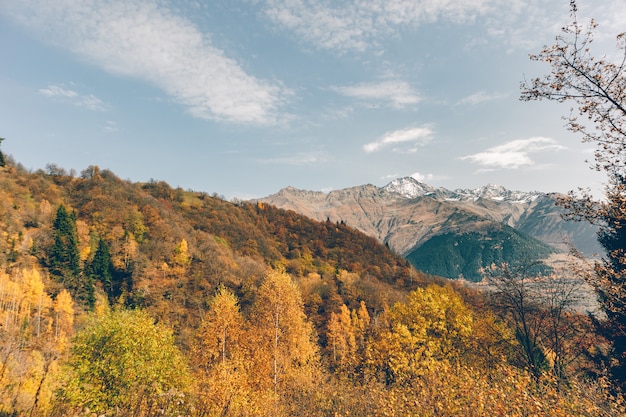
466	255
121	298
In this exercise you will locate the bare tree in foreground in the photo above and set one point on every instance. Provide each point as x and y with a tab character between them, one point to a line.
597	86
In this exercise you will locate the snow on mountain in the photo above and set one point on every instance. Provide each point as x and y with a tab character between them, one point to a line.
407	213
409	187
498	193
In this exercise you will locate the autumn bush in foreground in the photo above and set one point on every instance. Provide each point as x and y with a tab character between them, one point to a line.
124	364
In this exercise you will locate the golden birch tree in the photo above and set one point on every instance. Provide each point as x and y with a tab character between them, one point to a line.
342	342
286	351
219	355
429	329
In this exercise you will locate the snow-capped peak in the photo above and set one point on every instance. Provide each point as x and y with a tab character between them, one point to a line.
408	187
491	192
498	193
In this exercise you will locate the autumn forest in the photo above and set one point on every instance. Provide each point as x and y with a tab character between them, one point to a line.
121	298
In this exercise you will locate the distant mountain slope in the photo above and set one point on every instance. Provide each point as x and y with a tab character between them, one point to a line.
405	214
466	255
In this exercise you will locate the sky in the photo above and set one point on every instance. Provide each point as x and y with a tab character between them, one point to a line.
241	98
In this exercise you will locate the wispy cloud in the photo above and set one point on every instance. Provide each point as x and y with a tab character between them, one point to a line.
389	176
111	126
613	16
480	97
397	93
66	95
417	136
514	154
425	178
357	24
302	158
147	40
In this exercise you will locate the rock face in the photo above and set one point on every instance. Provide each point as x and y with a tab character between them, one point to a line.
405	214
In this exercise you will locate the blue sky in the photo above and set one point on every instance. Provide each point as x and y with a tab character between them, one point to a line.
244	97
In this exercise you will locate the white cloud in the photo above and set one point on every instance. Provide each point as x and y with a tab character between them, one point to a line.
610	16
398	93
111	126
514	154
66	95
389	176
302	158
425	178
356	24
419	136
144	39
480	97
57	91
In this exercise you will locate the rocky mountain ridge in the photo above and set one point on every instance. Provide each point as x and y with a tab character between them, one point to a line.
411	188
407	213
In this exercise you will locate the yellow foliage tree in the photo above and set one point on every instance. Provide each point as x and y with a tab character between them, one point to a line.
219	357
64	316
361	323
29	346
181	256
125	365
285	352
429	329
342	340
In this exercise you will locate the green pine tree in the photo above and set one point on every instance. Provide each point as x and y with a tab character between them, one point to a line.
64	258
101	268
2	160
610	283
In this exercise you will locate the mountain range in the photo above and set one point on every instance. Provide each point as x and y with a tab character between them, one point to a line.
448	233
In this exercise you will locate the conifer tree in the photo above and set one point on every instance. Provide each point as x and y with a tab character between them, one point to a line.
101	268
610	280
64	258
2	161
